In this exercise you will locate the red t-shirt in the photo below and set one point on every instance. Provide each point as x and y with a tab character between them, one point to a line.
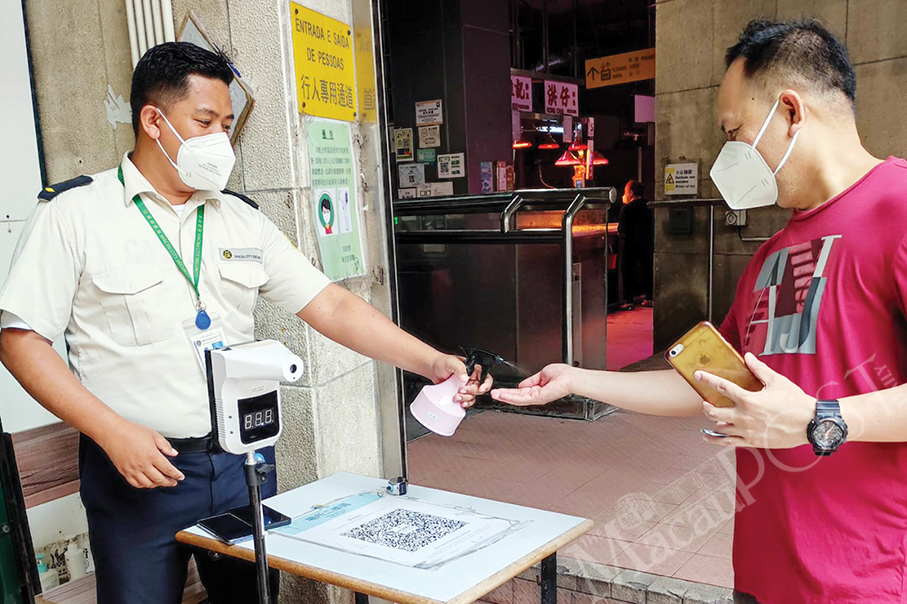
823	303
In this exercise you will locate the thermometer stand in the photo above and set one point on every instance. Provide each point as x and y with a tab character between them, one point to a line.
256	473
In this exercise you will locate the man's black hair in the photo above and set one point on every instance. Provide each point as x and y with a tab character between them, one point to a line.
637	188
162	74
804	48
326	205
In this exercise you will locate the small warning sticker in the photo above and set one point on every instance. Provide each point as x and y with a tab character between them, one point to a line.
681	179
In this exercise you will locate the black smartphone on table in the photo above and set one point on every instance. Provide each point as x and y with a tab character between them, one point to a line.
235	525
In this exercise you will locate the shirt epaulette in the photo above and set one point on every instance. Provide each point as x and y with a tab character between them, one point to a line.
241	196
48	193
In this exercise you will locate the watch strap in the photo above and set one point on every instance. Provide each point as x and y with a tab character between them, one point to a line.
827	408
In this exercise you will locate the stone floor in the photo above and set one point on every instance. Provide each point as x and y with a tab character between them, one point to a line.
662	500
629	336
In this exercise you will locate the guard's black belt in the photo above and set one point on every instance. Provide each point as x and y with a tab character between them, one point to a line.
202	444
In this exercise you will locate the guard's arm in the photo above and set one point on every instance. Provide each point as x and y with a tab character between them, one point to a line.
137	451
349	320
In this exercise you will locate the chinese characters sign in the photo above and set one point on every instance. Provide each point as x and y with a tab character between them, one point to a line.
323	55
335	209
520	93
429	113
365	75
620	69
429	136
561	99
682	179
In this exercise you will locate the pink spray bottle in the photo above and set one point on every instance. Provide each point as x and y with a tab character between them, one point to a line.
435	407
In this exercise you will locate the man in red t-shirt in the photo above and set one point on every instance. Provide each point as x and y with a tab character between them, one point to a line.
821	313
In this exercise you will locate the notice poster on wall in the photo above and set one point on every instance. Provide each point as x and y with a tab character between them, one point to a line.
411	174
403	142
426	156
487	172
335	208
682	179
452	165
435	189
429	113
429	136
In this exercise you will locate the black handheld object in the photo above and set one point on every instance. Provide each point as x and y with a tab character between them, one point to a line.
235	525
477	356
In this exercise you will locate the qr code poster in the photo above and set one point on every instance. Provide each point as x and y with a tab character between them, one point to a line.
407	531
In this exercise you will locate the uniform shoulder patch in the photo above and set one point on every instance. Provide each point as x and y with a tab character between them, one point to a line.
241	196
48	193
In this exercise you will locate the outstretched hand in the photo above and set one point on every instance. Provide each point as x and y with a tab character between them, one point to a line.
550	384
473	386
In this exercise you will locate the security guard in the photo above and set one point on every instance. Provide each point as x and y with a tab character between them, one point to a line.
142	267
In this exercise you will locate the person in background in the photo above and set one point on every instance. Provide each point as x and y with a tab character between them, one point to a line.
820	314
637	245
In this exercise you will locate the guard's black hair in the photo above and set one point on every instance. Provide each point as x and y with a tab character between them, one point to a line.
162	74
805	48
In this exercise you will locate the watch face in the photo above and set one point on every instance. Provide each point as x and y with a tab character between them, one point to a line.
828	434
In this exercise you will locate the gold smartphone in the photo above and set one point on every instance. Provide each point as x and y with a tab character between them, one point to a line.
703	348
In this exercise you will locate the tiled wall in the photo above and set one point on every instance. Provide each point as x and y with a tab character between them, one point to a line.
589	583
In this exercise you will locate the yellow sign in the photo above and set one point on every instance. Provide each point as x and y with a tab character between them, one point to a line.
365	75
325	74
682	179
620	69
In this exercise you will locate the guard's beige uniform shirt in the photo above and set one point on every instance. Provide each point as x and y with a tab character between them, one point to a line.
89	266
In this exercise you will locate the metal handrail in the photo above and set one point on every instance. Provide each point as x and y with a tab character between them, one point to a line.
509	211
567	229
474	204
508	234
483	236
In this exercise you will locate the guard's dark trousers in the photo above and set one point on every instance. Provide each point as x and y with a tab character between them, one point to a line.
132	531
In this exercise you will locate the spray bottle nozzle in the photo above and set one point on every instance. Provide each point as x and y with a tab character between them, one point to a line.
477	356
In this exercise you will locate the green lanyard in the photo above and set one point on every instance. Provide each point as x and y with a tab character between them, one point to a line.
202	320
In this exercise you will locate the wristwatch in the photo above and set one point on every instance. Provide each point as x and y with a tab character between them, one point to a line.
827	431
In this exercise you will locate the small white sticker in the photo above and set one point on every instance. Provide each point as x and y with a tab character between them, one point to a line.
240	254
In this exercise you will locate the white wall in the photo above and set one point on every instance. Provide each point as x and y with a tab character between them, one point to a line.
19	161
20	173
57	520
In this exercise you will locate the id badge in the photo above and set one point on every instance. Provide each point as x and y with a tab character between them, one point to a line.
205	339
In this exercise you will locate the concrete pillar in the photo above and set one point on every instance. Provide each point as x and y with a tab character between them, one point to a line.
342	410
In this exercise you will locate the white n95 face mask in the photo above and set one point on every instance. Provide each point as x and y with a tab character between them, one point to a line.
203	162
741	174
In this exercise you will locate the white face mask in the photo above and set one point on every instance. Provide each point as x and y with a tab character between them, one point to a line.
203	162
741	174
